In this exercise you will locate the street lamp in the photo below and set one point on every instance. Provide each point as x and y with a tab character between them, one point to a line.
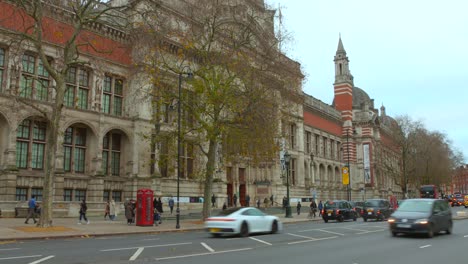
287	160
366	178
179	146
348	187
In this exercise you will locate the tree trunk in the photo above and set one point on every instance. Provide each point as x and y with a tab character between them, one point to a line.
52	138
209	179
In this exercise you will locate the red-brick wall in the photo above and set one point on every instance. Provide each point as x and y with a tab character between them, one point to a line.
319	122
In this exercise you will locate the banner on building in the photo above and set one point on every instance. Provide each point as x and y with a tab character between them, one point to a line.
366	155
345	175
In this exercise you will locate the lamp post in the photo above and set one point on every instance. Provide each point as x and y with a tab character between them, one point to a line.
366	177
348	187
179	146
287	160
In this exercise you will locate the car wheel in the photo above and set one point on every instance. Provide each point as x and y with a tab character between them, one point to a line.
244	231
325	220
430	232
340	218
394	234
450	228
354	218
274	227
215	235
365	219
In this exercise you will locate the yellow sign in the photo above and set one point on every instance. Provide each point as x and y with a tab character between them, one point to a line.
345	175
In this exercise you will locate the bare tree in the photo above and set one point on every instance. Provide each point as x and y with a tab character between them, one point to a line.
240	79
32	20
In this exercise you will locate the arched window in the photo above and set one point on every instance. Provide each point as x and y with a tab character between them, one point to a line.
341	69
74	149
30	144
111	148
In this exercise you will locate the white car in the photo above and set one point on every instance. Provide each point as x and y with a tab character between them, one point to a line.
242	221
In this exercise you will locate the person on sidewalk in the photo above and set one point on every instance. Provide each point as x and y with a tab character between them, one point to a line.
247	200
320	207
272	200
313	209
258	202
213	200
128	212
298	207
83	209
112	210
171	204
107	211
224	206
159	207
234	199
31	210
265	201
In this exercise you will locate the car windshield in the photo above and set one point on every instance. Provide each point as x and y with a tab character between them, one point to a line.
371	203
228	211
331	205
415	206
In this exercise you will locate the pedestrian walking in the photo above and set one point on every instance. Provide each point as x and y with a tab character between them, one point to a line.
272	200
83	209
320	207
258	202
213	200
298	207
156	217
159	207
247	200
285	202
31	210
112	210
107	211
313	209
265	201
129	213
224	206
234	199
171	204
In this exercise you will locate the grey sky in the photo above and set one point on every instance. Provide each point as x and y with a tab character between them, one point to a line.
410	56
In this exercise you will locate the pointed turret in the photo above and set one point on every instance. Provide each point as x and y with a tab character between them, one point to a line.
340	49
343	85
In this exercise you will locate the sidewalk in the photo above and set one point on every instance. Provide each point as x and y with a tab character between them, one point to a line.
12	229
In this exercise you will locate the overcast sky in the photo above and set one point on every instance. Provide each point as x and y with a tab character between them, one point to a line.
409	55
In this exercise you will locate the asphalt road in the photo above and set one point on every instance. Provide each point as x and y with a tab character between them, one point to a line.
307	242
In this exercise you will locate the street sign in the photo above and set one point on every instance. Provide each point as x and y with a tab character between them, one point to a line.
345	175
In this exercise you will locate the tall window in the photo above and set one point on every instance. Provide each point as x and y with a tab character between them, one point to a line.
317	145
30	144
37	192
80	195
292	171
187	157
74	149
113	96
332	149
67	195
77	91
117	196
324	147
111	148
2	67
21	194
308	138
292	136
34	79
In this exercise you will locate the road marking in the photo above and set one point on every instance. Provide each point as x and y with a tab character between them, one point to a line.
261	241
137	253
165	245
150	239
309	240
41	260
466	236
373	231
207	247
33	256
425	246
203	254
9	249
354	229
326	231
232	238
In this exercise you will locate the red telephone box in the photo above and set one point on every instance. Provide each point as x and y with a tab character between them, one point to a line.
144	208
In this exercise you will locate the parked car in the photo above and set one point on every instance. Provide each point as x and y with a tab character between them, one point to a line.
339	210
378	209
242	221
426	216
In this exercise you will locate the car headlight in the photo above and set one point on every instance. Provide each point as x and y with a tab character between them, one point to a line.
391	220
422	221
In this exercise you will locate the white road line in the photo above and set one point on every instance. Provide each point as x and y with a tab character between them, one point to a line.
354	229
9	249
150	239
310	240
41	260
204	254
326	231
425	246
207	247
33	256
165	245
466	236
373	231
261	241
137	253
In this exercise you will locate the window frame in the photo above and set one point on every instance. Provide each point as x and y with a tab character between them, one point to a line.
34	137
78	80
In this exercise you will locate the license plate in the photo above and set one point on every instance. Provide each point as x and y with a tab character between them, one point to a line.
215	230
403	225
369	213
329	214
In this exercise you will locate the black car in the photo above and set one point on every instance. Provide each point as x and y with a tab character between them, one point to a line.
426	216
339	210
358	205
378	209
